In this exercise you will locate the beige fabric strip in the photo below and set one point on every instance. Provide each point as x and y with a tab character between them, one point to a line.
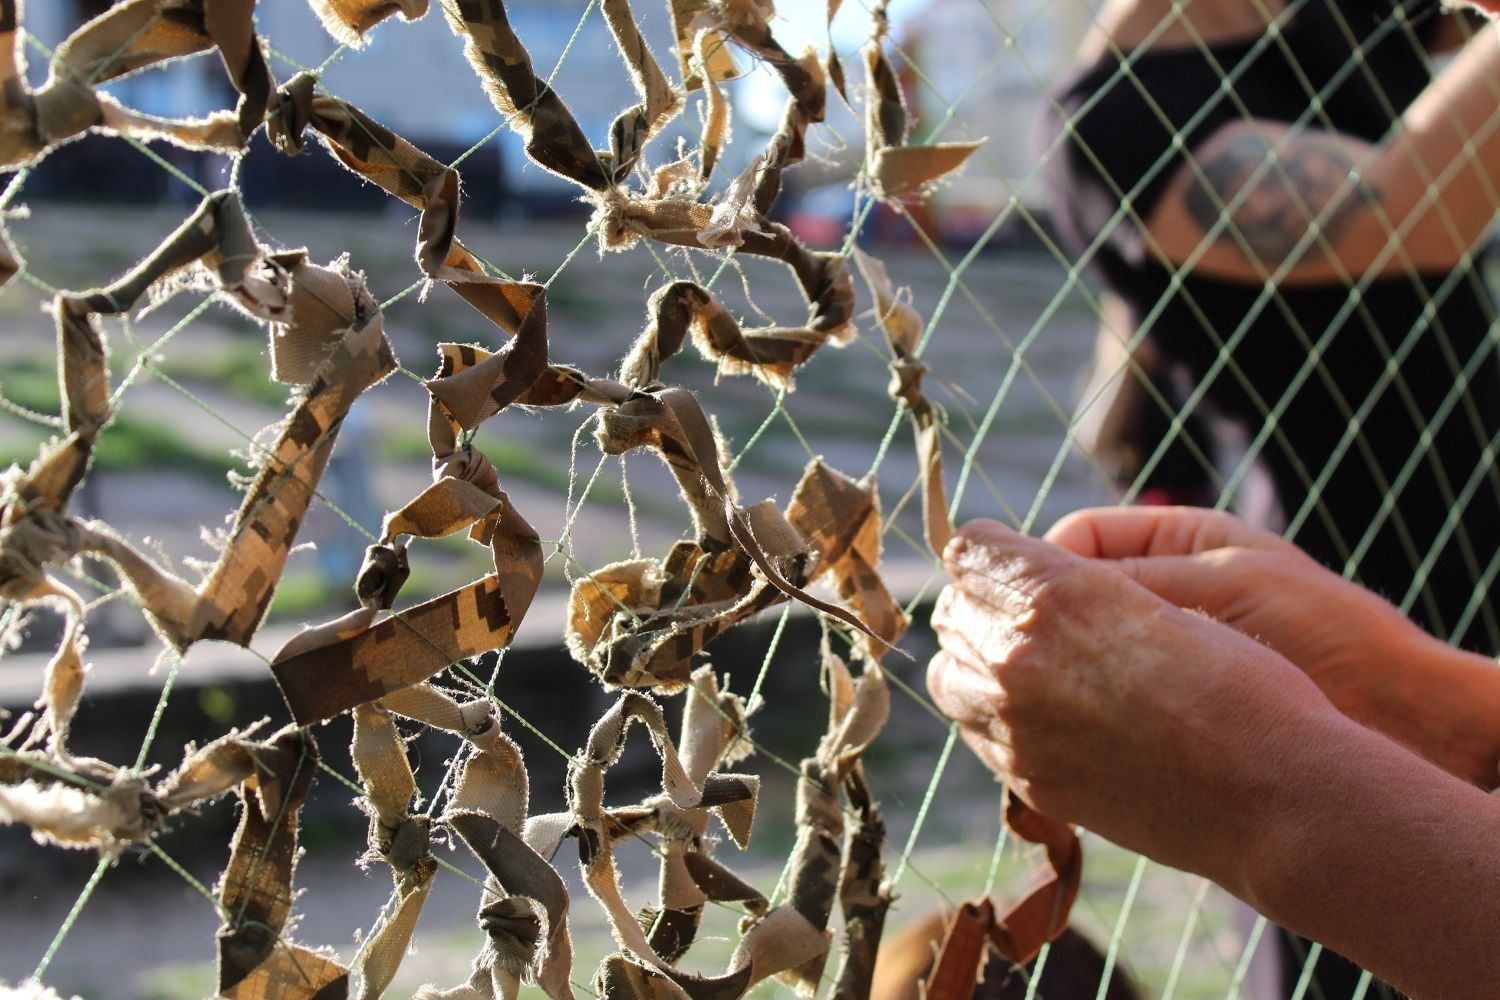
640	625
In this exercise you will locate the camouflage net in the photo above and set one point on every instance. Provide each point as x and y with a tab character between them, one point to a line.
636	625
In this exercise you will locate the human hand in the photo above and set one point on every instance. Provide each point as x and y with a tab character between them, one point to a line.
1103	704
1378	667
1348	640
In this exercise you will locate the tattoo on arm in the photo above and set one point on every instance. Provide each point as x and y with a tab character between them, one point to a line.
1272	205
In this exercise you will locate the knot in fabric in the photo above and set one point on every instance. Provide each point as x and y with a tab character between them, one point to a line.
381	576
469	464
38	538
406	846
291	113
906	383
514	930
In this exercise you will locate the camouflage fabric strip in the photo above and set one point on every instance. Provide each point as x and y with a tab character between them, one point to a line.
128	37
330	335
534	110
394	653
349	20
255	894
898	170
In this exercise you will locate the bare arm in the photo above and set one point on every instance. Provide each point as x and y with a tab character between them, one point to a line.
1444	703
1275	183
1371	661
1181	738
1383	858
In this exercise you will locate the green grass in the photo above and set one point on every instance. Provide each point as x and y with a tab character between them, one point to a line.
299	594
130	442
512	458
240	368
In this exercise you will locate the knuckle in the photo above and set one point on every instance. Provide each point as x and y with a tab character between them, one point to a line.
1059	589
1050	594
935	669
942	608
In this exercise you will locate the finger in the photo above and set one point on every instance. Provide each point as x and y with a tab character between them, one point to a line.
961	691
1197	583
995	756
973	627
1002	555
1123	532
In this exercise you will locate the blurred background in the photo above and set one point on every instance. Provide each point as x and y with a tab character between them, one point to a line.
1014	323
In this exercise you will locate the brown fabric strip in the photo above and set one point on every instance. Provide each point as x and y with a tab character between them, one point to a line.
130	36
396	837
396	652
903	328
898	170
635	624
777	941
818	868
522	875
255	893
349	20
326	331
714	60
532	108
89	804
841	518
1019	933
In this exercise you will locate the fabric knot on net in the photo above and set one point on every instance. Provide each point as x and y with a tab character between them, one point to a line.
638	626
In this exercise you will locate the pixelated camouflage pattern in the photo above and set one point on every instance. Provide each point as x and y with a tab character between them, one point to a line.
896	169
534	110
635	623
325	327
773	943
397	837
709	47
817	869
130	36
255	893
748	23
864	894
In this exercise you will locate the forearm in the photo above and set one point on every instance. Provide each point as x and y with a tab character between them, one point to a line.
1378	855
1444	703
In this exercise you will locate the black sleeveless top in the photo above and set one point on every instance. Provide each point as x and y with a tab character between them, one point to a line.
1438	328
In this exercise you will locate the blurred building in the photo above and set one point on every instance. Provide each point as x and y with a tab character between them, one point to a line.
410	77
975	68
983	68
